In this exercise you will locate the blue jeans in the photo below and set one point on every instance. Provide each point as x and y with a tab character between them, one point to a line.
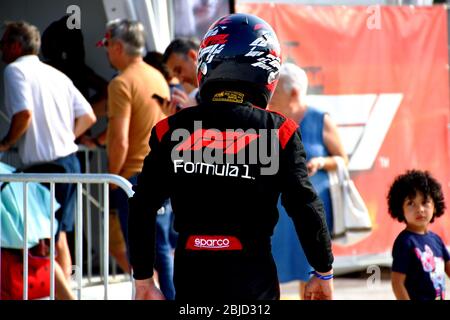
64	192
164	257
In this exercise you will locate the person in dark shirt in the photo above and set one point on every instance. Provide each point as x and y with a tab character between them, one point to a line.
224	164
420	258
63	49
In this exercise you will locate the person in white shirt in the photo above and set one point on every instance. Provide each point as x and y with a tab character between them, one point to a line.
47	114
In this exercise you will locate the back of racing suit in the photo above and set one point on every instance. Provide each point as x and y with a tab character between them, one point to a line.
224	165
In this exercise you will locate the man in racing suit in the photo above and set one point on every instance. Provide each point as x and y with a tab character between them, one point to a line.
224	164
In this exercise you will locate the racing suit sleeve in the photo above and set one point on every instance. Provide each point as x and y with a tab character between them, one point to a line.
150	192
304	206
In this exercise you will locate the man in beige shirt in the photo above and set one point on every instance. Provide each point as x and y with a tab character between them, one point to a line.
133	109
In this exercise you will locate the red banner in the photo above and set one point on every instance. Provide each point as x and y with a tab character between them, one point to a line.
382	73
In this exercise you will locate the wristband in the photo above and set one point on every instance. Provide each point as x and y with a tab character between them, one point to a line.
321	277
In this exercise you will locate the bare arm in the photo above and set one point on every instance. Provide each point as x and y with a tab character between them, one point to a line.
398	285
19	124
83	123
118	129
101	138
334	146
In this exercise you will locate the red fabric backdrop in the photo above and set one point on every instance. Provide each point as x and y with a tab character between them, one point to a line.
378	50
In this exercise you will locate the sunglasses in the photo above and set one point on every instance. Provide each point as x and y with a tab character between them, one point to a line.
105	42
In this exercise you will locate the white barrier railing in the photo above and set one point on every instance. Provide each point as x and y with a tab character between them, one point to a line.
96	164
79	179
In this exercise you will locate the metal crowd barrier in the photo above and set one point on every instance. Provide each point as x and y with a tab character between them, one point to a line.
79	179
93	165
92	160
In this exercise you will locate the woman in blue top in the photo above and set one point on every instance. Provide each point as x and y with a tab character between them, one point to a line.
321	141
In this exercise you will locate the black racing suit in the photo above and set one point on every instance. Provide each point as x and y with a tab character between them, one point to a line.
225	212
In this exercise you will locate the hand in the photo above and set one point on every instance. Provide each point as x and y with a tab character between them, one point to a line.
317	289
4	147
87	141
147	290
112	187
314	165
180	98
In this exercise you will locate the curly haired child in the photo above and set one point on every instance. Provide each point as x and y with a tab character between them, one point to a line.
420	258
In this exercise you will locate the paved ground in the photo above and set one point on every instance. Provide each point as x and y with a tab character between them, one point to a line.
353	286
